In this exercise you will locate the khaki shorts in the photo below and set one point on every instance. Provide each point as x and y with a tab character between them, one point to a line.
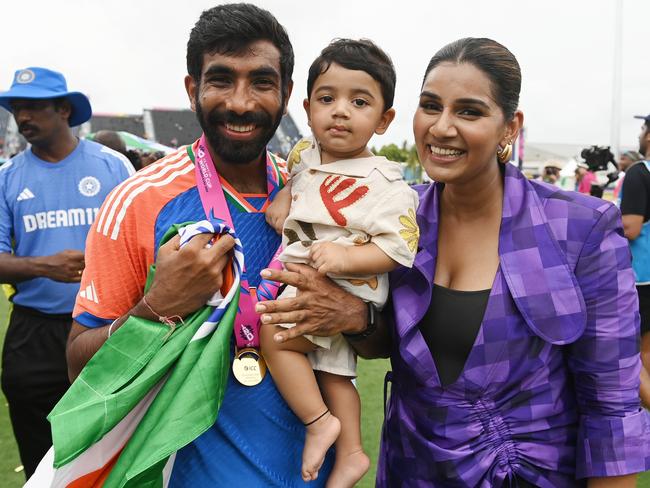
333	354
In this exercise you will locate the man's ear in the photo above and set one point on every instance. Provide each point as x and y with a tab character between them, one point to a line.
386	118
190	88
287	97
64	108
305	105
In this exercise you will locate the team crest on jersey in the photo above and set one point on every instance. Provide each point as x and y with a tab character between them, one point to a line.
25	76
89	186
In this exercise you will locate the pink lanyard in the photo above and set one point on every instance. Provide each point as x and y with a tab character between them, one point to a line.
247	324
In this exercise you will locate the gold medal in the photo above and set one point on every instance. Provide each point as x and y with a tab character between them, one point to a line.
248	367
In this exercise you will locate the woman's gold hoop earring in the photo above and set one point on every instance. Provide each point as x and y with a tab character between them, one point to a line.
503	154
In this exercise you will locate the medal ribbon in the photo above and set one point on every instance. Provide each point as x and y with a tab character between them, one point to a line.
211	191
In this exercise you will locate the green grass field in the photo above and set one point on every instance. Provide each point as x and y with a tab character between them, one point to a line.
9	459
371	377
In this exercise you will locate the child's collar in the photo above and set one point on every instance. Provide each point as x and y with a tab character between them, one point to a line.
362	167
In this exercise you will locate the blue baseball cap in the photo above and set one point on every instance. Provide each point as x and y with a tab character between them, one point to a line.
646	118
41	84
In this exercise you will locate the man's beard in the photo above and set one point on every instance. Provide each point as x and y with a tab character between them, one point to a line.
237	152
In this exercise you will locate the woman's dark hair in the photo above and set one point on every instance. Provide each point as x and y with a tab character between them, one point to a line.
229	29
361	55
494	59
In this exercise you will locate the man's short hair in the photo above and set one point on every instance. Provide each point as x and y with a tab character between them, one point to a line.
110	139
362	55
230	29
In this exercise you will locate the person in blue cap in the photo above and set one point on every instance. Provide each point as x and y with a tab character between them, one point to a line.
51	193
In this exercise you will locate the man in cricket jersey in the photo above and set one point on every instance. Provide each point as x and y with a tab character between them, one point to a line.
50	195
240	63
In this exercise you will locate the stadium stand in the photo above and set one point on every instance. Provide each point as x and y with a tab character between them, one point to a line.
285	137
174	127
127	123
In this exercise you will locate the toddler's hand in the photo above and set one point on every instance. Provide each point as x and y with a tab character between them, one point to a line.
277	212
275	216
328	257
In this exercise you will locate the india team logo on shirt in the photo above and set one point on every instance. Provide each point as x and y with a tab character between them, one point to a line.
89	186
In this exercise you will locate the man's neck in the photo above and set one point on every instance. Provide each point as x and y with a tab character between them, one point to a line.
245	178
56	150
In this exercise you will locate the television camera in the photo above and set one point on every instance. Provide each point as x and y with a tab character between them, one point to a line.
600	158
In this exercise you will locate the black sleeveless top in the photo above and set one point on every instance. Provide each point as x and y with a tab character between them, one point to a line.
450	327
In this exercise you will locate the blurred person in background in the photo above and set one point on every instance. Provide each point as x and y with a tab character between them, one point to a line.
112	139
635	208
627	159
584	178
51	193
551	173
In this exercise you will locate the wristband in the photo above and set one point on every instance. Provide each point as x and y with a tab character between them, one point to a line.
169	321
371	326
110	328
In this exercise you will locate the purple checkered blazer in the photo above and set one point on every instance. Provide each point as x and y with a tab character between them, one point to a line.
549	391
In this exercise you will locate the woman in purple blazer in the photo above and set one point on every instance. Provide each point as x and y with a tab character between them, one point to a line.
514	339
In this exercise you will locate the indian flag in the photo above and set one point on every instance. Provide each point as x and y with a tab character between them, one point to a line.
149	391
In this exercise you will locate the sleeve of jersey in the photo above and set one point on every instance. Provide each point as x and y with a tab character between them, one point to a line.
116	266
6	219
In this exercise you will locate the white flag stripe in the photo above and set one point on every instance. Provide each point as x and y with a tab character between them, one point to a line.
137	191
44	474
100	453
146	171
97	455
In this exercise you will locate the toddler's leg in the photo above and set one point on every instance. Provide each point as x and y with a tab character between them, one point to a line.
343	400
295	380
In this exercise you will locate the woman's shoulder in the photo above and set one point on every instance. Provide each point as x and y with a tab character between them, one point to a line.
571	205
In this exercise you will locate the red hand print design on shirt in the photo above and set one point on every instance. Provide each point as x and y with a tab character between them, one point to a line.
331	188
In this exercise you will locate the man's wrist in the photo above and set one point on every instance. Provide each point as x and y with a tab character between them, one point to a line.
372	315
40	266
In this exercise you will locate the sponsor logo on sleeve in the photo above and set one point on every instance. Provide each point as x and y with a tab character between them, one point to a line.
89	293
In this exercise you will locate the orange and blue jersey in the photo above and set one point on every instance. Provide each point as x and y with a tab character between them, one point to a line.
257	440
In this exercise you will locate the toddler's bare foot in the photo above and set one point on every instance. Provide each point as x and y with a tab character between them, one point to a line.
319	437
348	469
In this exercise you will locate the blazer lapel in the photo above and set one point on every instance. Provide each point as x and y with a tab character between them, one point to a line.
540	281
412	289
